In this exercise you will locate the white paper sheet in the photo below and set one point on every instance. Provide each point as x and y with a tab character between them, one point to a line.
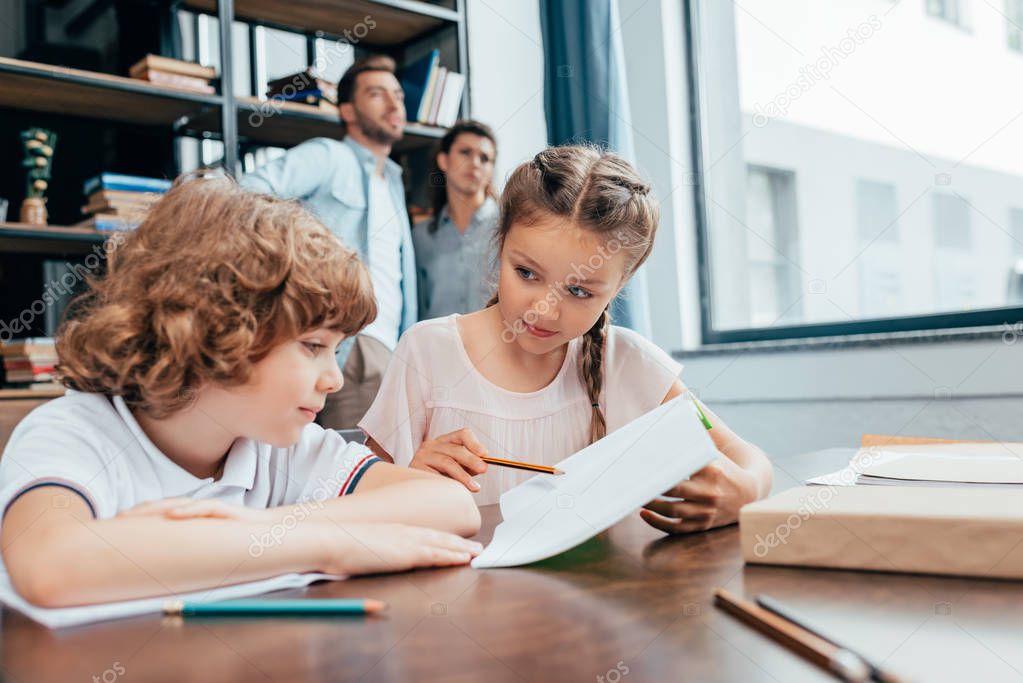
73	616
603	483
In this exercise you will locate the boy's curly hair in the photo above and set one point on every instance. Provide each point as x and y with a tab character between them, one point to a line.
211	281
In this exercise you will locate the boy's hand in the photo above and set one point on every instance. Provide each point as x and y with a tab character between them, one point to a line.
367	548
189	508
712	496
456	455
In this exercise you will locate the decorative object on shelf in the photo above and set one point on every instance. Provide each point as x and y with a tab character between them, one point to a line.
39	144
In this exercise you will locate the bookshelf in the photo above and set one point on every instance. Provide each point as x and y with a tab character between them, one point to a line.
403	29
400	25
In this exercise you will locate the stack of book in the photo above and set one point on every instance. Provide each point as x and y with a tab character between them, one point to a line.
174	73
433	94
30	362
120	202
305	87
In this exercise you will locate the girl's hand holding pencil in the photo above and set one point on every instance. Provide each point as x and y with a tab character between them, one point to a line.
457	455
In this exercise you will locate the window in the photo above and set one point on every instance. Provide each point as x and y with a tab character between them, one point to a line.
275	53
951	222
1014	24
951	11
1016	232
845	185
772	261
880	268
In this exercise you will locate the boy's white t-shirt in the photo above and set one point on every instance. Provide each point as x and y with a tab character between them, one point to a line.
92	445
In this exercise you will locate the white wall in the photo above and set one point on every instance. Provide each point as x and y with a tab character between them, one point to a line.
506	77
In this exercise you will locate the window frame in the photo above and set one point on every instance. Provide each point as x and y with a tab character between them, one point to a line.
924	324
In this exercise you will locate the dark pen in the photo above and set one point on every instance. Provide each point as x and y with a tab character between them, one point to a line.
876	672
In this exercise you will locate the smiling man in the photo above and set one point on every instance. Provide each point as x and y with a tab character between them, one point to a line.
356	190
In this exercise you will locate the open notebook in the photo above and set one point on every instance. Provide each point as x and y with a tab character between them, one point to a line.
74	616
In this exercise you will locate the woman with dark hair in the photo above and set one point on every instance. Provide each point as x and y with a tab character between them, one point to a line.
453	261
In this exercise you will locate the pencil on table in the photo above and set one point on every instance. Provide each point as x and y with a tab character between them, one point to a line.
522	465
260	607
876	672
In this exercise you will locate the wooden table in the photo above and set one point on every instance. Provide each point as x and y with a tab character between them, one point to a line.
629	600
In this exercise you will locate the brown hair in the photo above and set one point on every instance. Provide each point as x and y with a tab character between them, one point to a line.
346	86
211	281
597	191
438	180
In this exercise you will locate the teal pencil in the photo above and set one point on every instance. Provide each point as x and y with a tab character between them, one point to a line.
273	607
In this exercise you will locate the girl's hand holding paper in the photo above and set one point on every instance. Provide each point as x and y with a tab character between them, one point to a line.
710	498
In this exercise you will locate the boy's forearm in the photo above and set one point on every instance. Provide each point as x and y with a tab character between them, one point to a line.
431	501
136	557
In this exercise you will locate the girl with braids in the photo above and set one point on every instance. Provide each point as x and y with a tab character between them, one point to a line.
540	372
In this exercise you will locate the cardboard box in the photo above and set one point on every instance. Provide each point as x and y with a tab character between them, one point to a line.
959	531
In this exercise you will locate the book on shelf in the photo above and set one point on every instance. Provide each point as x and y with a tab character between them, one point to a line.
109	223
171	66
313	96
306	86
116	208
118	202
173	80
112	200
433	93
29	360
28	346
451	99
431	88
415	78
435	99
125	183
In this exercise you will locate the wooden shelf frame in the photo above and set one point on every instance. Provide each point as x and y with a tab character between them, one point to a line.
397	21
284	124
51	239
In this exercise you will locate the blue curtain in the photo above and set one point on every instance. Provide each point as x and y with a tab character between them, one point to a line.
586	100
